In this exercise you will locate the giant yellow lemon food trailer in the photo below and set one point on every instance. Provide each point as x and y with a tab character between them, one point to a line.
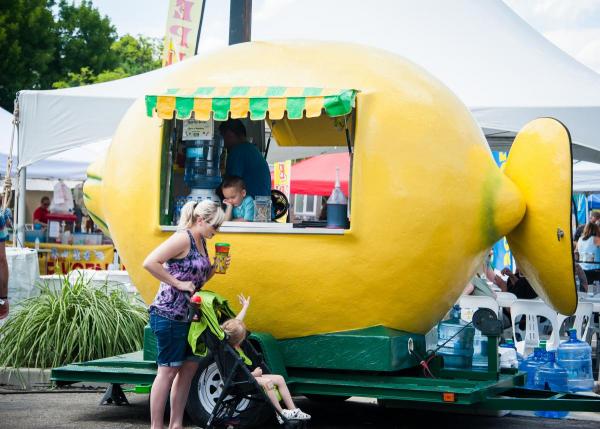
335	309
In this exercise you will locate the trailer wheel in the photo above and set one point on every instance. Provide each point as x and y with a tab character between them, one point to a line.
205	391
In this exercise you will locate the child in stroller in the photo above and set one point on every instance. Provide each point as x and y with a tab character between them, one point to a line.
236	331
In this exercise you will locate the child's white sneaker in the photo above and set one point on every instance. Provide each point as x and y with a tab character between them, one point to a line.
296	414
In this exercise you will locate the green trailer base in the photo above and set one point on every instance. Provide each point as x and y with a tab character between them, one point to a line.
129	368
466	390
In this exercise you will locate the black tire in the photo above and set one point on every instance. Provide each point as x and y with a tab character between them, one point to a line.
326	398
204	392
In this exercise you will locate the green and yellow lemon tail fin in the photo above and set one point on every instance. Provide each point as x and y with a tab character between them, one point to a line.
540	165
92	193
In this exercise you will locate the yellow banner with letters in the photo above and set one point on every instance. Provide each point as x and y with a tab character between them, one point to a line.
183	25
57	258
282	176
282	172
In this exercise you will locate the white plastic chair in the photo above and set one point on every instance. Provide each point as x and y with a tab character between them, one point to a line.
505	299
583	314
531	309
470	303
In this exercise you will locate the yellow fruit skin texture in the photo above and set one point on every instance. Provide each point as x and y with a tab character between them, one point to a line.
427	197
539	253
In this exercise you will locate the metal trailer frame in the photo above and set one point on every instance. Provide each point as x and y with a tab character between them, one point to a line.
468	391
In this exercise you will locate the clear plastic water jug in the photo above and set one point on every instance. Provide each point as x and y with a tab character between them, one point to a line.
455	340
480	351
551	376
530	366
576	357
202	163
509	358
511	343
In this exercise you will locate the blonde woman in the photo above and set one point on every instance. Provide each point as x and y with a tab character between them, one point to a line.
182	265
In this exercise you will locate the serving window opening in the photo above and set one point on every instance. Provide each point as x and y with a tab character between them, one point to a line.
306	141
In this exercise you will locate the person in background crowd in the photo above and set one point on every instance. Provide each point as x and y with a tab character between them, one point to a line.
5	218
589	251
580	279
594	218
478	285
516	284
244	160
40	215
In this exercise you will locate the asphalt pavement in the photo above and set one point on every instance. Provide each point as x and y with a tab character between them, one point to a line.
80	409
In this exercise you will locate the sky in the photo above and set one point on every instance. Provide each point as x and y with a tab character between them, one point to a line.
572	25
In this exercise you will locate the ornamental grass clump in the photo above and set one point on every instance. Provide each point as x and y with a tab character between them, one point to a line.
74	323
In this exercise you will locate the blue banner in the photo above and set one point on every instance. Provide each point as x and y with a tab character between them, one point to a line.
502	255
580	208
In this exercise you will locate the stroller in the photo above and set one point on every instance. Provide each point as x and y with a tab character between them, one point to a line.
242	402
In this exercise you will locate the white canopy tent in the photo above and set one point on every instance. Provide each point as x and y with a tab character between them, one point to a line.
498	65
586	177
68	165
504	71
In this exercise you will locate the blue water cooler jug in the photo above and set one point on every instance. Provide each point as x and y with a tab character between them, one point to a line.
551	376
455	340
575	356
530	366
202	170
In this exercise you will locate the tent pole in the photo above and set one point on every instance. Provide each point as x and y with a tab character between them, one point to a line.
240	21
347	131
20	228
203	6
269	141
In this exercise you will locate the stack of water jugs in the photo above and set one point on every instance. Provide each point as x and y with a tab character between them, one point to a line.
568	369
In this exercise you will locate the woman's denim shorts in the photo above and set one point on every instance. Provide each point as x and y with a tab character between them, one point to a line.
171	340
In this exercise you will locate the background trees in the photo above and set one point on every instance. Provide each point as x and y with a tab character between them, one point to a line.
47	44
27	47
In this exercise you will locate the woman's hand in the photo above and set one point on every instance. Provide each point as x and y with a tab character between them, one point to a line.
186	287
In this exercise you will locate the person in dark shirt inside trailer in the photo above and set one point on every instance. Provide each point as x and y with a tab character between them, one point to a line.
244	159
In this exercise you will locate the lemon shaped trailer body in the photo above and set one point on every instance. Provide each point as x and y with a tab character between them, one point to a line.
427	199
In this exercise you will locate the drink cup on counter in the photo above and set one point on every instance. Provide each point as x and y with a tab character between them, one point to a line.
221	253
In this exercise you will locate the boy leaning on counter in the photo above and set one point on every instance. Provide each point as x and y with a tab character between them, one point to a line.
240	205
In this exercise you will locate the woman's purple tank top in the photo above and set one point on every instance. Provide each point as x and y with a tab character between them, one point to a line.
170	302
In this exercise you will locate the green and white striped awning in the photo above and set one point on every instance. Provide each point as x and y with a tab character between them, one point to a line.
239	101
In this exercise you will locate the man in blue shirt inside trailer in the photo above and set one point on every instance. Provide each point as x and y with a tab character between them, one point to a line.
244	159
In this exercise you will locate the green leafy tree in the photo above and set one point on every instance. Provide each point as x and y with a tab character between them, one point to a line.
84	77
134	56
137	55
75	46
27	46
84	39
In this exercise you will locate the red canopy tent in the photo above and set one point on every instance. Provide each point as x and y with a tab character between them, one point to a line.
316	175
